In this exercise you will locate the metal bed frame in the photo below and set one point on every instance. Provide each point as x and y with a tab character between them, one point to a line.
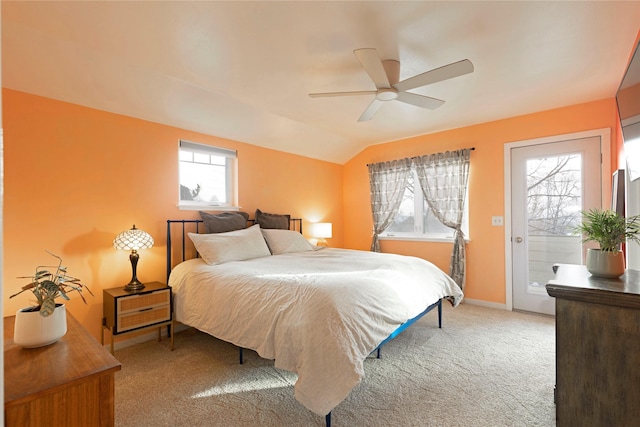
296	225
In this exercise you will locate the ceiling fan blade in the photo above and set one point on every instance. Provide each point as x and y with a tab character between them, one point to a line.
327	94
446	72
373	66
370	110
419	100
392	70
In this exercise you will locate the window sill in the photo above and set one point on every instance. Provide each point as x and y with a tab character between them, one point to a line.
421	239
216	208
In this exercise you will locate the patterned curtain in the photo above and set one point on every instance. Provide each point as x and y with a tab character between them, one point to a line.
388	181
443	178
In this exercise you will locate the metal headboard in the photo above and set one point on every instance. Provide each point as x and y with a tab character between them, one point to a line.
184	226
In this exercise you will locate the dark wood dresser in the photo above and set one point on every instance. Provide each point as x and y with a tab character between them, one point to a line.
597	347
69	383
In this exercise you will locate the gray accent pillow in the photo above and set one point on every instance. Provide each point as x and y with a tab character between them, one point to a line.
224	222
269	220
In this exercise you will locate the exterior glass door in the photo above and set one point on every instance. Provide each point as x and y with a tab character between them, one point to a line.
551	184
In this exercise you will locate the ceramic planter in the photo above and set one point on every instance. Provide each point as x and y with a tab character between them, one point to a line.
605	263
32	330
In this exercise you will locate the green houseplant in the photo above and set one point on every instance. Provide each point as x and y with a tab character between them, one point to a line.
46	322
609	230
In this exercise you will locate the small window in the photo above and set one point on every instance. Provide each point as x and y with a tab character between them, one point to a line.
427	226
208	176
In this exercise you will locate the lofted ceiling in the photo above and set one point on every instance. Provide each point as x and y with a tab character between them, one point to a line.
243	70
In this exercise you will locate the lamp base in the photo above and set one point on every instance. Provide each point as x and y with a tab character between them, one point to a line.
134	285
322	242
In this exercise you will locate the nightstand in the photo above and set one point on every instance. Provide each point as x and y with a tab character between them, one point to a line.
126	311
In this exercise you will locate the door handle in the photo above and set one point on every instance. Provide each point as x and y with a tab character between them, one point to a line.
518	239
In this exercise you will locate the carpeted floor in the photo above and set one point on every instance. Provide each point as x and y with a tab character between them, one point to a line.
485	367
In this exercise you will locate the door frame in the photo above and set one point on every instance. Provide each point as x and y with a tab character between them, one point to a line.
605	188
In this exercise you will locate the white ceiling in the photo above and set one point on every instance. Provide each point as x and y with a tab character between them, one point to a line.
242	70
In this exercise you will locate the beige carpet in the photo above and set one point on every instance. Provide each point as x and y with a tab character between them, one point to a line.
485	367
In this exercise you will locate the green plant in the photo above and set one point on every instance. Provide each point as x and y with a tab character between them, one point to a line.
608	228
47	286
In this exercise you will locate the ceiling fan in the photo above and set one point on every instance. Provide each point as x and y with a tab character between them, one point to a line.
385	75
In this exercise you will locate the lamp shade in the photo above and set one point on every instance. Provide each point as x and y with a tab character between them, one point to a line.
321	230
133	239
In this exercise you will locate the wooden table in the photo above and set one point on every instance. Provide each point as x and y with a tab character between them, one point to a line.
69	383
597	347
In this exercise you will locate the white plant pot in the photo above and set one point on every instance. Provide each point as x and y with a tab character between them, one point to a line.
32	330
605	264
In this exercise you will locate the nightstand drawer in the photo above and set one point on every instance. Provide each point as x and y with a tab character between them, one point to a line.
137	311
144	301
143	317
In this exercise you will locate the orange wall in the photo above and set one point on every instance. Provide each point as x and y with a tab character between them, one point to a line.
485	251
75	177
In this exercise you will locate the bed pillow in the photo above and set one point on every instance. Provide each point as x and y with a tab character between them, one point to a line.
231	246
224	222
269	220
285	241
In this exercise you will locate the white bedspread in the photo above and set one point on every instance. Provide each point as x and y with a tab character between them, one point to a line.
317	313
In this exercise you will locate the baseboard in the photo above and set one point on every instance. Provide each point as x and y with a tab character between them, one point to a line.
139	339
482	303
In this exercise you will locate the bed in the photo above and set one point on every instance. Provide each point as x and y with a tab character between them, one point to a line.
317	312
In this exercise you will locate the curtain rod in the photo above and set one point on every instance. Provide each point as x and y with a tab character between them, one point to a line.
472	149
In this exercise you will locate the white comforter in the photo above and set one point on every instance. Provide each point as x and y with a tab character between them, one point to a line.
316	313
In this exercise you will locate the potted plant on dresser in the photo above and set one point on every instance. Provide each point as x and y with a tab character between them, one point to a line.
46	322
610	230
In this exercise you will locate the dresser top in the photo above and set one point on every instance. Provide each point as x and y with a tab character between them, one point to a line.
575	282
75	357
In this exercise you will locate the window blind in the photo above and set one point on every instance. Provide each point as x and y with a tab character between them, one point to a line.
208	149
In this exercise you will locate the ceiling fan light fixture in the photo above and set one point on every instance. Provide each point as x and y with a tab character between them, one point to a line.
386	94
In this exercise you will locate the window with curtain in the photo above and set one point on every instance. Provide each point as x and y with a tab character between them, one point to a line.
415	221
207	177
432	188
